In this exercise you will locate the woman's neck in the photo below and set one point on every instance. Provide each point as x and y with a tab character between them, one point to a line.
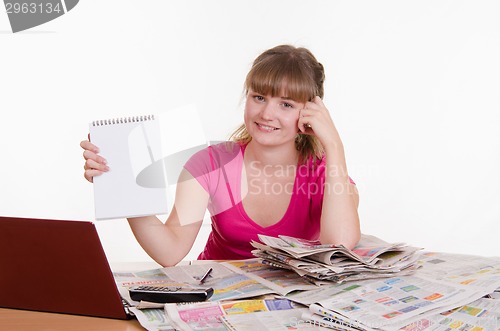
271	155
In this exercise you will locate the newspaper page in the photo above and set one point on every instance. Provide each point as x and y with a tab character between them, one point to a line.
366	251
480	315
153	319
395	302
283	320
207	315
301	264
319	273
461	269
331	321
230	280
371	258
280	281
146	277
307	298
227	283
445	281
239	279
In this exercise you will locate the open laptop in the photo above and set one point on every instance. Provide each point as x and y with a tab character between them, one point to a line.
56	266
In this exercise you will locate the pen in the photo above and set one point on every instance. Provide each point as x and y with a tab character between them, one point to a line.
205	276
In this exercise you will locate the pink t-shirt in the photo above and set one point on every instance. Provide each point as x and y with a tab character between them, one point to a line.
218	169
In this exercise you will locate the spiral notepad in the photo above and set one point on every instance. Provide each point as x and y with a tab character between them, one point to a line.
136	184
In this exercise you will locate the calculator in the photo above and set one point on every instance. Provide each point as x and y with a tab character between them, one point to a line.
169	294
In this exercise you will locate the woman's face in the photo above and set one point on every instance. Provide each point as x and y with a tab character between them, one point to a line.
272	120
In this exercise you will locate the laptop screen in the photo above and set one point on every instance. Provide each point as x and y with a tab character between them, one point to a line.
56	266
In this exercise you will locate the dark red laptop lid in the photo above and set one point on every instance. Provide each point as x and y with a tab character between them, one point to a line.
56	266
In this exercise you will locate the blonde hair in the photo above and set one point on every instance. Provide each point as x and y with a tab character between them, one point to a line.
297	73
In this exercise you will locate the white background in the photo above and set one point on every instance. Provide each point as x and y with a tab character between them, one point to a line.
413	87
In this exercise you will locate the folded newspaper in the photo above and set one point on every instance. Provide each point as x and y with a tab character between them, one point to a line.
371	258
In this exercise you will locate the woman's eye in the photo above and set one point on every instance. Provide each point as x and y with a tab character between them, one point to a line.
258	97
287	105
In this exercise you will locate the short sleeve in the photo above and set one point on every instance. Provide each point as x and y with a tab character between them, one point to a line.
199	166
218	170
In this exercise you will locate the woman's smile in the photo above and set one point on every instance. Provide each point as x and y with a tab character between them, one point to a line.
266	128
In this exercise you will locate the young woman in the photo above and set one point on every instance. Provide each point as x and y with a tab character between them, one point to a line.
283	173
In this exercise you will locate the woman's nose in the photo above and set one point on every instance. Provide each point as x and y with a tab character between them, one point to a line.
267	111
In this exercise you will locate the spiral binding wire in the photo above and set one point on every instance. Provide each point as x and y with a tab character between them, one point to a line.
121	120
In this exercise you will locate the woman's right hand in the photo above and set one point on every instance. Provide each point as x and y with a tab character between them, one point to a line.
95	164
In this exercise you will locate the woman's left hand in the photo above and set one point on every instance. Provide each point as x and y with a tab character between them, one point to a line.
315	119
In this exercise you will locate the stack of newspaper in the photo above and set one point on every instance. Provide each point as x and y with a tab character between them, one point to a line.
371	258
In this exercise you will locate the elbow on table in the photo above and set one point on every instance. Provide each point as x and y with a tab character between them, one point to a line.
350	244
348	241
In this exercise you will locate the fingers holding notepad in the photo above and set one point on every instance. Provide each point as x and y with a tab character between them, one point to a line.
95	164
